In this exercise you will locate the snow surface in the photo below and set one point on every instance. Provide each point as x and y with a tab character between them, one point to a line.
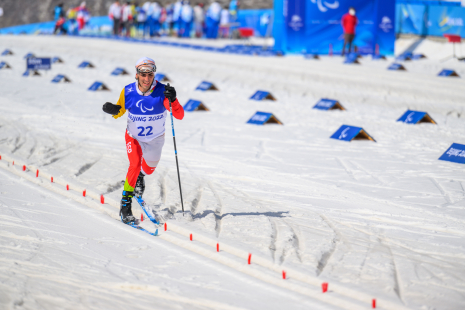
386	219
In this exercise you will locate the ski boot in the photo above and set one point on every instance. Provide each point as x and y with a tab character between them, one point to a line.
125	212
140	185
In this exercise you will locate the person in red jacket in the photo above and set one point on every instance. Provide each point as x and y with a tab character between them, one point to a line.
147	102
349	22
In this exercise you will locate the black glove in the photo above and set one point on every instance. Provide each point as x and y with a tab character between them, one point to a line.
111	108
170	93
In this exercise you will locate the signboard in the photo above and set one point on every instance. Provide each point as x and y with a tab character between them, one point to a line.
349	133
455	153
315	25
39	63
262	118
328	104
415	117
262	95
206	86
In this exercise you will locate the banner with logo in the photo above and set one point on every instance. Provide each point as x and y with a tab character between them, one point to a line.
430	20
295	24
315	25
442	20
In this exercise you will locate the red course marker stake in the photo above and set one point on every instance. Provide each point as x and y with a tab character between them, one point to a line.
324	287
0	157
13	162
191	237
102	200
84	193
250	258
24	167
217	247
374	303
51	179
37	173
166	227
141	217
284	275
67	187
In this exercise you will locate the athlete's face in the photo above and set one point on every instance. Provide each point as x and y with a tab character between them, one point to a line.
145	80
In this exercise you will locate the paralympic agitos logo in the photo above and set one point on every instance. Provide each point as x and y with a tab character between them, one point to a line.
323	6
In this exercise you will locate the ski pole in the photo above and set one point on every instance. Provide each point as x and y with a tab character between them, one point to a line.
176	155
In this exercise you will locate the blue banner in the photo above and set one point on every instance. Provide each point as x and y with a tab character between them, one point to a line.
446	20
294	16
430	20
314	26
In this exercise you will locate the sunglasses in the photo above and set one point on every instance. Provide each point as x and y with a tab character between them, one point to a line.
151	74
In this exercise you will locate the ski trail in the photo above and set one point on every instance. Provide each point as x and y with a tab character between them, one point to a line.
327	255
218	210
346	168
443	192
85	167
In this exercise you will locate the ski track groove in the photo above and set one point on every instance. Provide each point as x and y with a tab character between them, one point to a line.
325	257
218	210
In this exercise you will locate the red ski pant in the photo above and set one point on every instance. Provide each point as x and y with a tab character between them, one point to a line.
137	161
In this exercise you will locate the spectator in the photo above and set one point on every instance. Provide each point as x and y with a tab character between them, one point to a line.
115	14
187	16
169	19
213	20
233	6
176	16
83	15
59	26
155	14
224	23
199	19
72	24
141	20
349	22
126	18
58	11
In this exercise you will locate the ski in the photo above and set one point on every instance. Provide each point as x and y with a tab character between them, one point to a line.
136	226
156	218
143	229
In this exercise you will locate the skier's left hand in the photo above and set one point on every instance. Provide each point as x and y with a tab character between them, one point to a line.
170	93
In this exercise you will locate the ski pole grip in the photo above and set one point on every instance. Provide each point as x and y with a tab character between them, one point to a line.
169	99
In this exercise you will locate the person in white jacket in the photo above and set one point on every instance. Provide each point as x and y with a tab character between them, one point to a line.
187	16
115	15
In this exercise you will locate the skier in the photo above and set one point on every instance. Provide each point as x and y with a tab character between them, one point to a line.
146	101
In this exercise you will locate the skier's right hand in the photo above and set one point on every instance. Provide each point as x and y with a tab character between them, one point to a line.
111	108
